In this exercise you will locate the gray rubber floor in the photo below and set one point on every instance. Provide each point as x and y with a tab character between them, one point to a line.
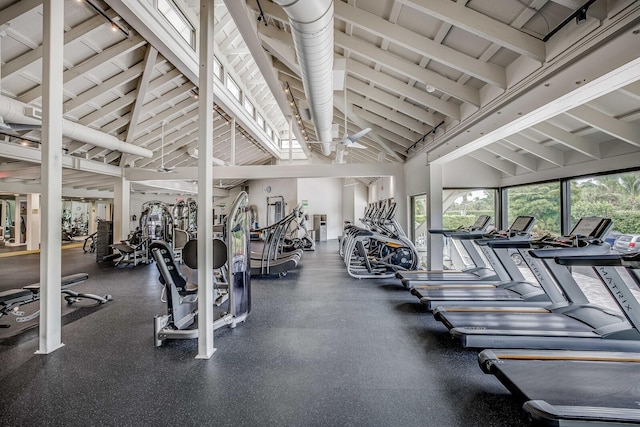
319	349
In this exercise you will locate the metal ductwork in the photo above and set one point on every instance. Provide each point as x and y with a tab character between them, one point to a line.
13	111
312	29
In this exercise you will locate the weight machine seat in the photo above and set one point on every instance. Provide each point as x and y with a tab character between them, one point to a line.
190	254
65	282
13	296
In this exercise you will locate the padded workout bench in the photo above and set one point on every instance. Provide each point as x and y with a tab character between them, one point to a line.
11	299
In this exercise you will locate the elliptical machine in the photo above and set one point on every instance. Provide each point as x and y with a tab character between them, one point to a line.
182	297
380	251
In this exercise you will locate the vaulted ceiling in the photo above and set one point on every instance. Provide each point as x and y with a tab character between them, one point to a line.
520	86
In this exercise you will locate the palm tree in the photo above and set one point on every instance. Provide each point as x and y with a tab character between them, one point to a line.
630	183
604	187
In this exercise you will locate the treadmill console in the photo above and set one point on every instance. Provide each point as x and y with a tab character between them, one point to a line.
481	223
522	224
588	230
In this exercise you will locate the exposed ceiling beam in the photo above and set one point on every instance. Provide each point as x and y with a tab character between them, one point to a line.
482	26
141	93
510	155
487	72
17	9
386	112
489	159
391	101
106	86
407	68
28	58
549	154
352	170
93	62
627	132
575	142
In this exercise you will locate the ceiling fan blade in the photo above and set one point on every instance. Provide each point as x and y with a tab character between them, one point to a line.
19	126
356	145
164	169
358	135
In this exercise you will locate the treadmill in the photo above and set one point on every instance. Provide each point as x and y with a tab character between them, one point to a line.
478	229
500	268
577	388
576	324
518	292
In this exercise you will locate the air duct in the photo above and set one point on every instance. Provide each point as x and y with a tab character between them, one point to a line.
13	111
312	29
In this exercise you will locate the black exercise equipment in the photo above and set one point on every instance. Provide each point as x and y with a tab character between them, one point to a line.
12	299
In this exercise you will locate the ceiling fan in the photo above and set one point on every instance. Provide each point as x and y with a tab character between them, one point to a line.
162	168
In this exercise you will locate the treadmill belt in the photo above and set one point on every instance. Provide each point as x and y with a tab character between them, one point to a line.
583	383
438	277
468	294
512	321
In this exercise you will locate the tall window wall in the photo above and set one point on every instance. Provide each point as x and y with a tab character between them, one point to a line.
462	206
539	200
616	196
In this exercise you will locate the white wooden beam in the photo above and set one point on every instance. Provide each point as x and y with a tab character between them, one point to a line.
17	9
143	85
447	108
391	115
24	60
386	99
407	68
95	61
481	25
546	153
108	85
624	131
575	142
489	73
489	159
510	155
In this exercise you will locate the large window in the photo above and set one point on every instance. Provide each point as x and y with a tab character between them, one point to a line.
616	196
539	200
462	206
419	227
178	21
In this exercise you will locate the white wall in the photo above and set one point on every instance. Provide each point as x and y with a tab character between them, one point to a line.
466	172
460	173
325	197
287	188
354	201
360	203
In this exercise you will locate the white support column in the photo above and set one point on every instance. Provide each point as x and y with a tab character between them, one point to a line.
3	218
50	256
291	139
93	214
33	221
434	217
121	196
17	222
401	199
205	184
233	141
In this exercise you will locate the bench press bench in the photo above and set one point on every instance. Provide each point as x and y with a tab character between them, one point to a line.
11	299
